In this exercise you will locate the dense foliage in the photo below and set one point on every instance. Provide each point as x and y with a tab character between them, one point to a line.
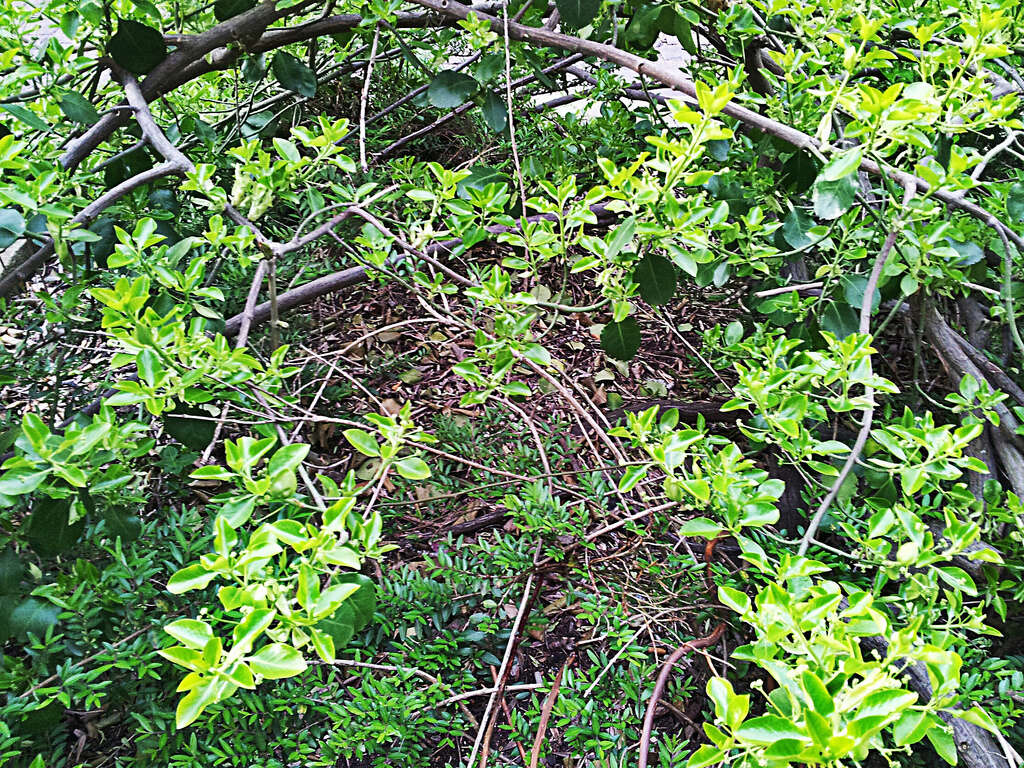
392	383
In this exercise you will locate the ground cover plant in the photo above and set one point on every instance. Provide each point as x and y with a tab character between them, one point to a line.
577	383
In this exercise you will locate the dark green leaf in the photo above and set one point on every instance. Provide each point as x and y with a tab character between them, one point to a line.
49	530
577	13
254	68
840	319
643	27
684	34
795	228
136	47
164	200
78	109
123	524
854	287
225	9
190	432
11	570
800	171
719	149
1015	202
495	113
621	340
33	616
656	277
489	67
293	75
340	626
450	89
970	252
479	177
7	606
363	601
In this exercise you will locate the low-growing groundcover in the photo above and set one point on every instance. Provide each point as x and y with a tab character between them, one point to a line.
401	384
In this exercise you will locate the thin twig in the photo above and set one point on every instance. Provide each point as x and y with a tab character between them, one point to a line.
869	391
364	97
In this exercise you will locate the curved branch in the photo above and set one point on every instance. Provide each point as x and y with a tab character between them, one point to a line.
671	77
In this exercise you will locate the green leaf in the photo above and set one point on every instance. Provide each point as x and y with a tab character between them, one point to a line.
943	743
254	68
977	716
225	9
495	112
840	320
122	524
136	47
631	477
886	703
323	644
362	602
704	756
11	571
78	109
733	333
293	75
276	661
195	701
910	728
854	287
818	693
479	177
621	340
50	531
211	472
577	13
191	432
734	599
656	277
1015	202
768	729
842	165
18	482
190	577
620	237
451	89
191	633
26	116
700	526
340	626
12	226
32	615
833	198
643	30
287	458
362	441
250	628
795	227
412	468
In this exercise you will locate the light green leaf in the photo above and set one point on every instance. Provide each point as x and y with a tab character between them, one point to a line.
191	633
362	441
190	577
276	661
412	468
